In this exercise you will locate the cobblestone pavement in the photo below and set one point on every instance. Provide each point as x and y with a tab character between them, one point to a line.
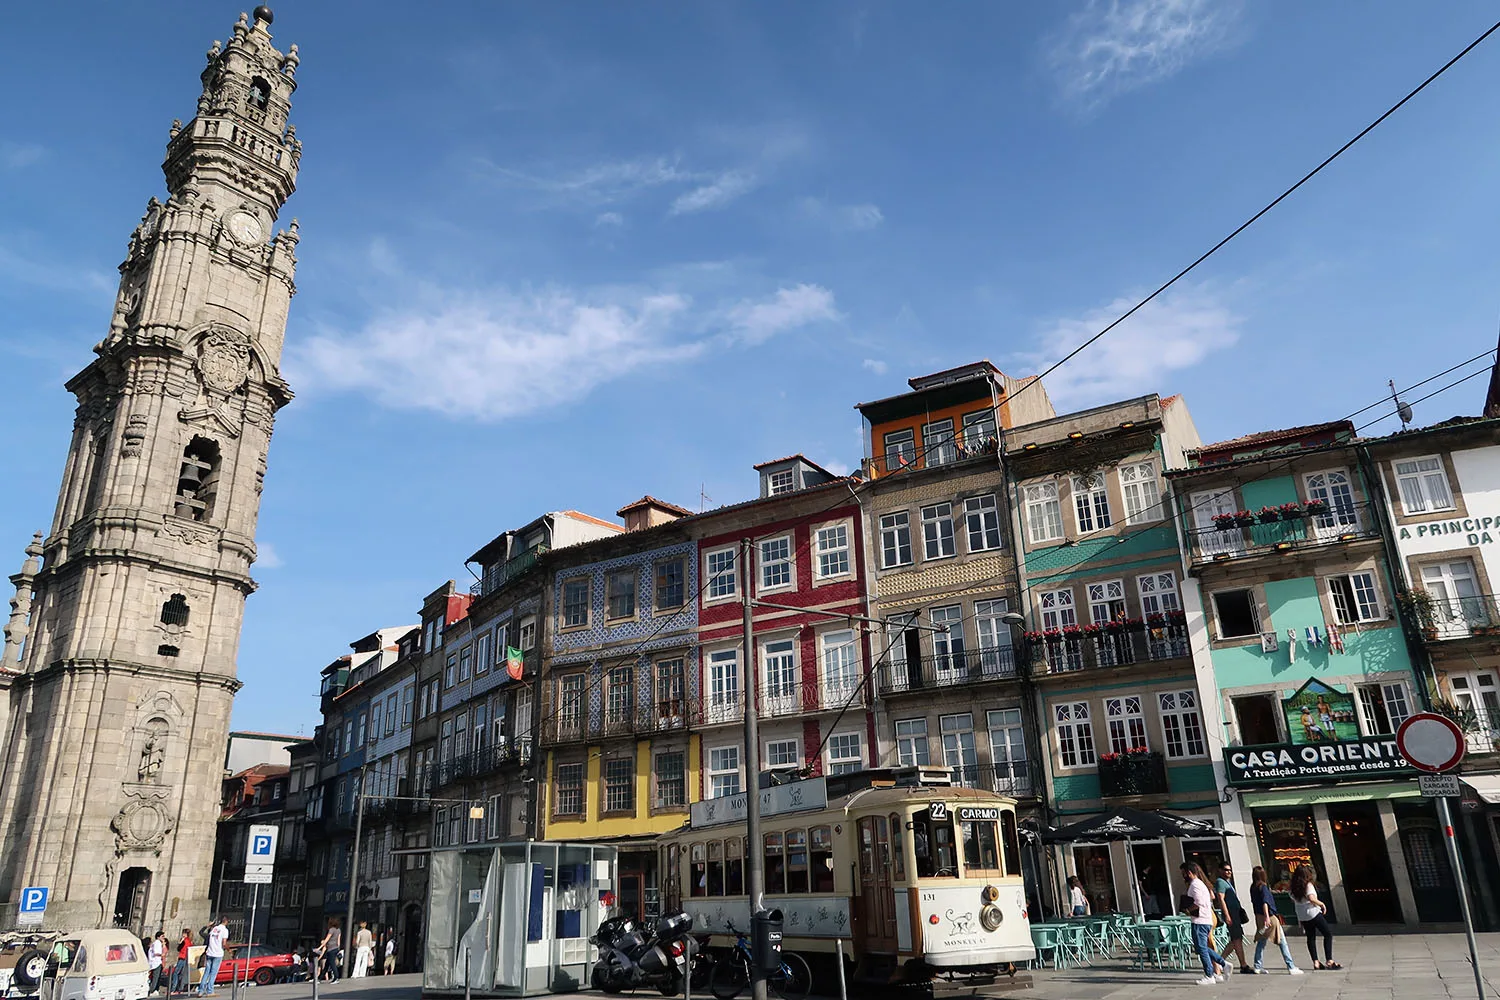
1376	967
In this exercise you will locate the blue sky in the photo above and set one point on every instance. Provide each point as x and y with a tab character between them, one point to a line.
563	255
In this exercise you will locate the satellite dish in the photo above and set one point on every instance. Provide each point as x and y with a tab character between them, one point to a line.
1403	411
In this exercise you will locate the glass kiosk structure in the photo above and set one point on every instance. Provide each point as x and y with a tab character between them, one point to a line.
514	920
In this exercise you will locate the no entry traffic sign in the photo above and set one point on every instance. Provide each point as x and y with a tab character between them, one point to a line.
1430	742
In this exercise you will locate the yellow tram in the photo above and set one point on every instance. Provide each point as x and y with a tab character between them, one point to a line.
919	878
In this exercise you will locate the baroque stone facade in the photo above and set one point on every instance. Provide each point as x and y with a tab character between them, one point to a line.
120	650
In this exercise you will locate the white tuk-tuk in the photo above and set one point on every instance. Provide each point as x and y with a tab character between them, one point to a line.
105	965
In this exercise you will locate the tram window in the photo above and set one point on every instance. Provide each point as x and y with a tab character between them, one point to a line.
775	864
734	867
933	844
882	846
699	872
822	859
898	871
796	861
981	849
716	868
1012	843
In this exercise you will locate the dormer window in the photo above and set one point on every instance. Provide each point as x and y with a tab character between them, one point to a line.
260	94
782	482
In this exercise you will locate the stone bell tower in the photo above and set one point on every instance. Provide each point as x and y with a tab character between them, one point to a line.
120	649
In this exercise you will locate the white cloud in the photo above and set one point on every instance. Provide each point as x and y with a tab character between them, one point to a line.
873	365
15	155
1113	46
266	556
609	219
789	308
1142	354
847	218
504	353
598	183
722	190
837	468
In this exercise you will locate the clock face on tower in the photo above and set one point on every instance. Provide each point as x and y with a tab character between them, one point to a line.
245	228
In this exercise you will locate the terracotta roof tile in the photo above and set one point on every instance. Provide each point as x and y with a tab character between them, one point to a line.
1271	437
649	500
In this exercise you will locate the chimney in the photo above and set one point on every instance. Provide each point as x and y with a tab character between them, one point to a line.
648	512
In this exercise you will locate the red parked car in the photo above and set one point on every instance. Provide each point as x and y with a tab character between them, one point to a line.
266	965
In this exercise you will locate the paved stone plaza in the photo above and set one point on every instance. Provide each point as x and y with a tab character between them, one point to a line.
1376	967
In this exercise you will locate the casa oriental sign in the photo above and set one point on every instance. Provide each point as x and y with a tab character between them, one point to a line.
1365	758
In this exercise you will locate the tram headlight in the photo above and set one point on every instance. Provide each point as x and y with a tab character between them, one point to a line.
990	917
990	894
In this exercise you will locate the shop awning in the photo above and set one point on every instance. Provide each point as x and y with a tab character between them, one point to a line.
1487	786
1125	823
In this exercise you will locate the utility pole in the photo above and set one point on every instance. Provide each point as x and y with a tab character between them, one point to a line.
755	860
359	828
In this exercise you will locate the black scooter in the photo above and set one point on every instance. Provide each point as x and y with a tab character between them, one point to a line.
631	957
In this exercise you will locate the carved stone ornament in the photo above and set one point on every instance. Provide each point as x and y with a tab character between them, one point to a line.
185	531
134	436
224	359
141	825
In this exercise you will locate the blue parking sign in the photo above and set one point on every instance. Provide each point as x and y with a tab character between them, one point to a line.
34	899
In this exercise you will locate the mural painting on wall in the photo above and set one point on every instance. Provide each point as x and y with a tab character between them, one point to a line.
1320	713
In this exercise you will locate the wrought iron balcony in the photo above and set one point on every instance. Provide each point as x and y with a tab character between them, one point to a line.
1112	646
1132	773
966	447
1282	529
974	666
779	698
1011	778
1441	619
509	570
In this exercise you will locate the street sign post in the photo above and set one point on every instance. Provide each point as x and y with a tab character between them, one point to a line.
33	905
1435	744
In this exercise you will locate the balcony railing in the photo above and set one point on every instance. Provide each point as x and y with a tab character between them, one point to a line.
617	720
966	447
1458	617
781	700
511	569
482	762
1274	531
1012	778
973	666
1130	773
1109	649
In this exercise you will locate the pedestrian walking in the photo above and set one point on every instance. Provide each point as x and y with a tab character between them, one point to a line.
1200	907
154	956
1078	900
182	974
390	951
1232	915
364	950
1312	914
1268	926
213	956
329	953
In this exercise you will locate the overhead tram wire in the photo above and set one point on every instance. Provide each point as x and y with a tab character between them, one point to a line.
1257	216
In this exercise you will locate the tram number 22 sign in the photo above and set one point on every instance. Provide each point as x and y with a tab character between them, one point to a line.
938	811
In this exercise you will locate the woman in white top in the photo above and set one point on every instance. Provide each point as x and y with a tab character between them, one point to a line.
1078	900
1201	909
1312	915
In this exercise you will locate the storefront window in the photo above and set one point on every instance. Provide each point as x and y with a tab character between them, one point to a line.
1288	840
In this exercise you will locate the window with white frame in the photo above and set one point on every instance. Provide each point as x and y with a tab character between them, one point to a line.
482	653
840	656
671	779
982	519
1139	491
1126	723
782	753
1075	734
527	632
465	661
480	735
957	731
502	643
1043	513
723	684
1354	598
1158	593
1090	503
1008	750
390	713
492	813
911	742
900	449
1106	601
844	755
1423	485
1477	691
776	563
723	772
779	675
994	636
1384	707
1057	609
938	446
948	643
1181	724
575	603
979	430
1455	594
720	567
937	531
782	482
895	539
570	703
833	551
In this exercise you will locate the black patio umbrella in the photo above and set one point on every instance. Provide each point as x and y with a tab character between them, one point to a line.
1125	823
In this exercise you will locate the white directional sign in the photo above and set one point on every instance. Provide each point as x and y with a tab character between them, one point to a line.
260	854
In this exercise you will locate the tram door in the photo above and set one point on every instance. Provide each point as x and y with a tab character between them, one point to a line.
877	898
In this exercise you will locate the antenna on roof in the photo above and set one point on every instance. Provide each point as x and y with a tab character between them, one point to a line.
703	498
1402	410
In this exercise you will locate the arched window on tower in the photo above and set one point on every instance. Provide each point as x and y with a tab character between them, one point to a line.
260	94
198	481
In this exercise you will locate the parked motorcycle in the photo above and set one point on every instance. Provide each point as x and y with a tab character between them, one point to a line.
631	956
